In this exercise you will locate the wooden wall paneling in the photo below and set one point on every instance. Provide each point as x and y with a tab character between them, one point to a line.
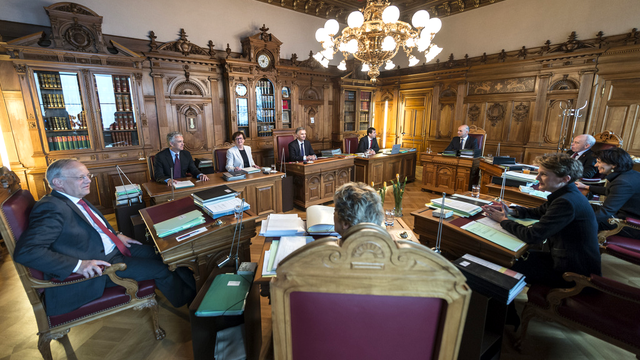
156	142
619	111
161	108
22	110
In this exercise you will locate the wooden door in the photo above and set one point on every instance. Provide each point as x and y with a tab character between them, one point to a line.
416	109
620	113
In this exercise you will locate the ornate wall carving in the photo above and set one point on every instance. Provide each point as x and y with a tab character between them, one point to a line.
495	113
524	84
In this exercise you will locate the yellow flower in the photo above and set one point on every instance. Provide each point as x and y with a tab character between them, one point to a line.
384	184
372	184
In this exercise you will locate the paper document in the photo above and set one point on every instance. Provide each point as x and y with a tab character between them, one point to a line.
320	219
266	272
251	170
457	206
497	237
289	244
182	184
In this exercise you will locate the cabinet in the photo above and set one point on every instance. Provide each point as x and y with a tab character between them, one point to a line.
354	112
115	108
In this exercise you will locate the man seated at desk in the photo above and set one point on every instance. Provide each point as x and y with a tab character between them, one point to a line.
175	160
463	141
68	235
581	151
369	144
300	148
356	203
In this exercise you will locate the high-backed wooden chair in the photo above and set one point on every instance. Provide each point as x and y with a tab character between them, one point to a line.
281	140
606	140
14	215
220	159
350	143
368	297
480	135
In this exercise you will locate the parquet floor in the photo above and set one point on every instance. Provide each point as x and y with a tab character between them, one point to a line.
128	335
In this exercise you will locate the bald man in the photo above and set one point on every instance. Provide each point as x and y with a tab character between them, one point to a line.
463	141
581	151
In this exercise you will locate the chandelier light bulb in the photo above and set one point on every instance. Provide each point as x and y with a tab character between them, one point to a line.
391	14
420	18
328	53
321	35
434	25
352	46
325	63
332	27
365	67
355	19
389	65
318	56
343	47
327	45
342	66
410	42
433	52
388	44
423	42
413	60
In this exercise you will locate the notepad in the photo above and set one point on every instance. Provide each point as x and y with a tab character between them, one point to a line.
509	242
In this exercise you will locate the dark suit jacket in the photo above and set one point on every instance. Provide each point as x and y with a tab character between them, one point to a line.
363	145
622	197
569	224
470	144
588	161
163	165
294	150
57	237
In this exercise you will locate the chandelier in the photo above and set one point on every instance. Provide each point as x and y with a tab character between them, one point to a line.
375	35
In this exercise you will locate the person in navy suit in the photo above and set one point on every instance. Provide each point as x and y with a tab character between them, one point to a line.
300	148
67	235
369	144
581	151
175	160
463	140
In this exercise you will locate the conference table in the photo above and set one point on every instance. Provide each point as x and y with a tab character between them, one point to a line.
448	173
263	192
379	168
315	182
201	252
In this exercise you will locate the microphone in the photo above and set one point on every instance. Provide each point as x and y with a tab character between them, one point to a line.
239	228
172	187
504	181
436	249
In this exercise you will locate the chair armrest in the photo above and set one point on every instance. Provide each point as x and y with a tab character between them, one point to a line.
596	282
620	224
74	279
615	288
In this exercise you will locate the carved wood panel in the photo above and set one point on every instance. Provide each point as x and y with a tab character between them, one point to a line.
265	199
313	188
378	175
328	184
553	120
620	112
344	176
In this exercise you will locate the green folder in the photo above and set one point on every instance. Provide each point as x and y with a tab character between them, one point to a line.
179	223
227	295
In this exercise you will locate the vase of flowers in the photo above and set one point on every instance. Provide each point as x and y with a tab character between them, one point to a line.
382	191
398	193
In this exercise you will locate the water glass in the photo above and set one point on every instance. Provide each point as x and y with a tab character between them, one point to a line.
273	168
475	191
389	217
428	150
237	210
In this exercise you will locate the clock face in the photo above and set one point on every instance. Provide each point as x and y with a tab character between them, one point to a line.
263	61
241	90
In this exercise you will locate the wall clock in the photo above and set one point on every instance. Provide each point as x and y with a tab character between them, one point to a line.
264	61
241	90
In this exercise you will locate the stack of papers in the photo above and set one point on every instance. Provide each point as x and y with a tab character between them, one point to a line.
330	152
514	175
251	170
234	175
131	193
277	225
182	184
460	208
223	208
213	195
279	250
491	279
179	223
533	192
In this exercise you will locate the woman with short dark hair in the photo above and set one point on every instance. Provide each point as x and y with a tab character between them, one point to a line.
239	156
566	221
621	190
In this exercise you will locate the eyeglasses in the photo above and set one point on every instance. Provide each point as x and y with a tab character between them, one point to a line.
82	178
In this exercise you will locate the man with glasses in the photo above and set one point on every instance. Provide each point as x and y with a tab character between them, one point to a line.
67	235
176	161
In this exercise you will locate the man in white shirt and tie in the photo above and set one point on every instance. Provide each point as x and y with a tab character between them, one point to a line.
463	141
300	148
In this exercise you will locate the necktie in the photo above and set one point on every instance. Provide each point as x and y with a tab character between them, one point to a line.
123	249
574	156
369	144
302	149
461	143
177	172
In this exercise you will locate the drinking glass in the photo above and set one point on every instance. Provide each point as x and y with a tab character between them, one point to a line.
475	191
237	210
389	217
273	168
428	150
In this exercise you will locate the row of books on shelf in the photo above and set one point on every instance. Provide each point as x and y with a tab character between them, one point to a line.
364	106
123	122
123	102
65	123
72	142
121	138
121	84
264	88
53	101
266	101
49	81
266	115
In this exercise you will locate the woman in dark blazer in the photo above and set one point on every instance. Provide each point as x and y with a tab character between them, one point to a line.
566	221
621	190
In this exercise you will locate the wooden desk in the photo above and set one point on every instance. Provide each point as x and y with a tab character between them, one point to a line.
384	167
262	192
448	174
487	171
457	242
316	183
201	252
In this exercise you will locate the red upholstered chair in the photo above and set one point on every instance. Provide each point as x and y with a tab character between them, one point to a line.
598	306
480	135
350	143
622	247
368	297
220	159
14	215
281	141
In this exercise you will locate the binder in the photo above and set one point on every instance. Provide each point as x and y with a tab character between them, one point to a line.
179	223
213	194
227	295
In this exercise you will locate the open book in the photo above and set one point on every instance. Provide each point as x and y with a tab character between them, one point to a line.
182	184
320	220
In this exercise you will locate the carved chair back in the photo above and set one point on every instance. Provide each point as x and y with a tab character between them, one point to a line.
369	297
350	143
606	140
480	135
220	159
281	140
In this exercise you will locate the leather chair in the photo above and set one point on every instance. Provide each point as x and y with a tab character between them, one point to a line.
350	143
220	159
480	135
281	141
14	215
598	306
367	297
622	247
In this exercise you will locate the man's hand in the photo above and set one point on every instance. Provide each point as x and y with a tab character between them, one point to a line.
171	182
91	268
204	177
127	241
312	157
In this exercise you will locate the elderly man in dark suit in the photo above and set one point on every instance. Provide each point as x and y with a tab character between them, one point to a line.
581	151
463	140
68	235
300	148
369	143
175	160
